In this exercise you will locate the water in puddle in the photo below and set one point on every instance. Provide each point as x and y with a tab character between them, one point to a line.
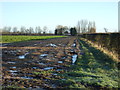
53	86
74	58
43	55
13	67
51	45
4	44
35	67
48	68
59	70
11	62
41	63
26	53
55	74
60	61
63	57
13	71
74	45
63	79
25	77
22	56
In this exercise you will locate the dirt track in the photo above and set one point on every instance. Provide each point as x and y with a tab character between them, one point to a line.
21	61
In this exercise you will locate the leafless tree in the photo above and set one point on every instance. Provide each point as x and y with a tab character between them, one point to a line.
89	26
22	29
78	27
45	29
38	30
9	29
82	26
6	29
31	30
106	30
14	29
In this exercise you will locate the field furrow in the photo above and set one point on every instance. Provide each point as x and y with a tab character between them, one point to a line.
67	62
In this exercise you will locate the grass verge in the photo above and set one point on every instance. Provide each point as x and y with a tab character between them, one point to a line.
93	69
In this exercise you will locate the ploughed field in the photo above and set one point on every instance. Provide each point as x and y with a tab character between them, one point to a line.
66	62
38	62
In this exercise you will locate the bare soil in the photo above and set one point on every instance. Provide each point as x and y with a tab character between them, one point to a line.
36	64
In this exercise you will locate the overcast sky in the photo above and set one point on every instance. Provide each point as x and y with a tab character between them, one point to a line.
51	14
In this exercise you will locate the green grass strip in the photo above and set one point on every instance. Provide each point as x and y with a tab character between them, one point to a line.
18	38
93	69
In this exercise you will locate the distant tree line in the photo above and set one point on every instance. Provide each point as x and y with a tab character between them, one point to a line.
82	26
24	30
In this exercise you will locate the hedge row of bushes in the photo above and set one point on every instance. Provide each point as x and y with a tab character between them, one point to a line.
109	41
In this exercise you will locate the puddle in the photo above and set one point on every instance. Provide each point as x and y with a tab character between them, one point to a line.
53	86
11	62
59	70
45	79
63	58
28	73
35	67
43	55
13	71
35	44
18	50
48	68
60	61
4	44
72	51
51	45
63	79
22	56
74	58
55	74
13	67
26	54
74	45
26	77
41	63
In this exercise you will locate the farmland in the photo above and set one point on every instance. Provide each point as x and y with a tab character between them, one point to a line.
65	62
18	38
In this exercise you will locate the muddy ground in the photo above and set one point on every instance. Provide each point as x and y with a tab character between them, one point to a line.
37	64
